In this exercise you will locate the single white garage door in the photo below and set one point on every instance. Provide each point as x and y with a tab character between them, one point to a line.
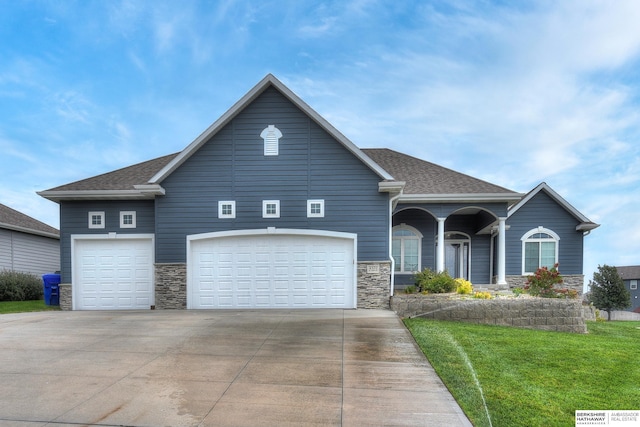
113	274
272	271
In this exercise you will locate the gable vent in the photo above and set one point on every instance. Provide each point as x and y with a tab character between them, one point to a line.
271	136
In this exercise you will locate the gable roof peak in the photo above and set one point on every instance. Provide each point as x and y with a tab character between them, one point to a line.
585	223
268	81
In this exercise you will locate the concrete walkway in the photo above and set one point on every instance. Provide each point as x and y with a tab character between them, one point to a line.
217	368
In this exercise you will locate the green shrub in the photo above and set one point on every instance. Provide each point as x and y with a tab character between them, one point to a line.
15	286
428	281
411	289
463	286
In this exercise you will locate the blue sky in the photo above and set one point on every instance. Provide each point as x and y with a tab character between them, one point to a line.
515	93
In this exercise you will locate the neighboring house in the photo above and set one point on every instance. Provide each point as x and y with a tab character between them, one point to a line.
631	276
271	206
26	244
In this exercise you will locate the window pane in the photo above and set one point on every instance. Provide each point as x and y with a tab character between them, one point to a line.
548	254
531	256
410	255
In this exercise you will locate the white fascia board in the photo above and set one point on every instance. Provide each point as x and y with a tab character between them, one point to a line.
57	196
462	197
269	79
391	186
587	226
29	231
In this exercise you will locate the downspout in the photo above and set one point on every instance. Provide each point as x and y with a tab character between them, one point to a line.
392	205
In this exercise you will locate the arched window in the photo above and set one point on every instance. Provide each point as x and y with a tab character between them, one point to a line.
539	249
406	249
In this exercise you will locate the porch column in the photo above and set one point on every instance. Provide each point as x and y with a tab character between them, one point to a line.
440	253
501	251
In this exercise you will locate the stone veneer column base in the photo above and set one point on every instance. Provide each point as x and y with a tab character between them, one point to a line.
171	286
374	283
66	302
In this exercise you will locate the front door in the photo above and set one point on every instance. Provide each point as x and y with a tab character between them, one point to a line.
456	257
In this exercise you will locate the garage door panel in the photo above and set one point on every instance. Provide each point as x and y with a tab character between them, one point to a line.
111	274
271	271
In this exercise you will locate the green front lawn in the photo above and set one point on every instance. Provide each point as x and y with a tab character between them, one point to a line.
533	378
24	306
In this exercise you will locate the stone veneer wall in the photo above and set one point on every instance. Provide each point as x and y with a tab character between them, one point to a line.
374	282
571	281
532	313
171	286
66	302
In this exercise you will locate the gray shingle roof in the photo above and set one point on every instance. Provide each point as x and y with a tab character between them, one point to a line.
14	220
423	177
121	179
629	272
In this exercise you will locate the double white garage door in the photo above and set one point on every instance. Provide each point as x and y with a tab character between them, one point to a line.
284	269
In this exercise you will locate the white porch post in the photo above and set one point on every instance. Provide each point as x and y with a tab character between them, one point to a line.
502	280
440	253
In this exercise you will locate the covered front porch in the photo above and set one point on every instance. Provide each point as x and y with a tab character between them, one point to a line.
466	240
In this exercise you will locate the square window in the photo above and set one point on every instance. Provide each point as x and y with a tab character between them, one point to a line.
128	219
227	209
271	208
96	219
315	208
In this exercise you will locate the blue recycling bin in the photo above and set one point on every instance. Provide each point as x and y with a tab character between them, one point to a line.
51	289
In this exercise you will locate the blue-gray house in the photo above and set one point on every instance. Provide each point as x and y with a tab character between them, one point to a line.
272	207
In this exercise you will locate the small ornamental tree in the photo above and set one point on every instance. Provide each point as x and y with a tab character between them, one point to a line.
608	291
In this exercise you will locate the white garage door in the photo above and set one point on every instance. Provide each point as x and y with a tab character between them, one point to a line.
272	271
113	274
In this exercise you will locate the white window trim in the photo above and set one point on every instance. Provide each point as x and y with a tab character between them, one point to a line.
266	203
233	209
633	285
526	239
310	203
271	135
102	219
123	214
418	237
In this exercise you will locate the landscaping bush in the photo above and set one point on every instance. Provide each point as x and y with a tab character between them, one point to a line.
463	287
431	282
541	283
482	295
15	286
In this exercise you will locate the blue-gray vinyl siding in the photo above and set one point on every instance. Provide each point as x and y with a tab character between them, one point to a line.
231	166
543	211
634	294
74	219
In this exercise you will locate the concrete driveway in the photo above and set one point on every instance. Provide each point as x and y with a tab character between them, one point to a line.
217	368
